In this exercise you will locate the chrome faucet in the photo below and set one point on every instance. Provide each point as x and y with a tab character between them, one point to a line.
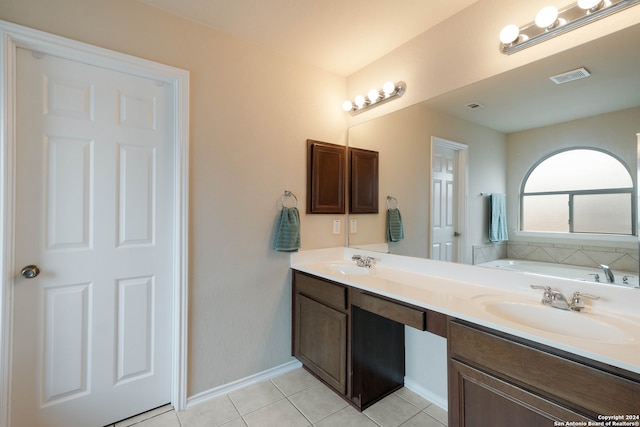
607	273
577	304
559	301
555	299
365	262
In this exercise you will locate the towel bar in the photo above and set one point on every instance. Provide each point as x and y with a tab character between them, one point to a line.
286	196
391	200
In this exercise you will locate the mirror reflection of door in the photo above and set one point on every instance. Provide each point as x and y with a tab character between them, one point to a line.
448	178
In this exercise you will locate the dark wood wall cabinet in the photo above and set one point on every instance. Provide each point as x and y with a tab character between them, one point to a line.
497	379
326	174
363	185
353	340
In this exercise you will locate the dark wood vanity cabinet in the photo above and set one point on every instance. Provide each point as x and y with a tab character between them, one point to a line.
498	380
354	340
320	325
358	353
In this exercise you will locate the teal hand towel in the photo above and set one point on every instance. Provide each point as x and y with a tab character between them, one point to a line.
395	228
498	226
288	232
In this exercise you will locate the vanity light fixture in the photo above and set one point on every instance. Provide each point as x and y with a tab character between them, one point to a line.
375	97
550	22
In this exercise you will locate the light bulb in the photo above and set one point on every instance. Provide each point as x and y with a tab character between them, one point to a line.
389	88
359	101
347	105
547	17
373	95
509	34
590	5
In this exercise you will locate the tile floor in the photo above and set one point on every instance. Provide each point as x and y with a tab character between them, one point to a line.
295	399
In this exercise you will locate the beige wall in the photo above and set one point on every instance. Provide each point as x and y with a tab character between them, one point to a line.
251	111
403	140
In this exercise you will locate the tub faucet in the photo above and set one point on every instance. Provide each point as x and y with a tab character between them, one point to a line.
607	273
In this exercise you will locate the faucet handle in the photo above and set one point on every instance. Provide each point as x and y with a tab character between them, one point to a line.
360	260
546	297
577	303
546	288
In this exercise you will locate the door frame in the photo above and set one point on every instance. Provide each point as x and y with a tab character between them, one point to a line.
14	36
462	178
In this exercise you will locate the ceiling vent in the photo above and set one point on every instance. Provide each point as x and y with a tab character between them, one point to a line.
570	76
474	106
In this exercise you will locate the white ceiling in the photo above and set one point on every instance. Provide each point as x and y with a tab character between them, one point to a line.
341	36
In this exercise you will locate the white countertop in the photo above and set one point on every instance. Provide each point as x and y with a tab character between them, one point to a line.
460	291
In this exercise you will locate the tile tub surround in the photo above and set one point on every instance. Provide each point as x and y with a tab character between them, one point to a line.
295	399
450	289
621	258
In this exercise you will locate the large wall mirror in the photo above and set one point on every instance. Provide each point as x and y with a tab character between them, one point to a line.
494	132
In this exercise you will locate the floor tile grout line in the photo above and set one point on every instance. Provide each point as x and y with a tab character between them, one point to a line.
297	391
236	408
299	411
311	423
411	403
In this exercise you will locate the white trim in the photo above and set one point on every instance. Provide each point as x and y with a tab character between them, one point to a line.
13	36
571	238
427	394
241	383
462	178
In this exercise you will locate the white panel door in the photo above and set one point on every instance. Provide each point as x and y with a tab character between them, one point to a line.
443	215
92	331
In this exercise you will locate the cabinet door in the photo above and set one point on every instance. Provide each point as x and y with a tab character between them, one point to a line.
321	341
363	197
326	174
480	400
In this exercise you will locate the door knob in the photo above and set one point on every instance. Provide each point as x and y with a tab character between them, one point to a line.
30	271
456	234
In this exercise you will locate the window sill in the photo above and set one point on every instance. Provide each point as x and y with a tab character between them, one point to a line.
578	237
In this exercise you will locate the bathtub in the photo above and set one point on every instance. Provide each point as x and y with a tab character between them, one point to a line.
566	271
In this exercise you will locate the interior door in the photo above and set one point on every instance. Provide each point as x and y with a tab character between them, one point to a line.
444	204
92	323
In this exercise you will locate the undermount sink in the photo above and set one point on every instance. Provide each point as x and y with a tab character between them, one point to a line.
350	269
585	325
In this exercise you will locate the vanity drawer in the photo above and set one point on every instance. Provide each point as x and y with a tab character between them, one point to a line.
323	291
394	310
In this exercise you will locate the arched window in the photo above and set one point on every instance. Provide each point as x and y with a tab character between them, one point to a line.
580	190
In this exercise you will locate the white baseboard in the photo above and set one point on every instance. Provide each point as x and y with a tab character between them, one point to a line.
426	394
292	366
243	382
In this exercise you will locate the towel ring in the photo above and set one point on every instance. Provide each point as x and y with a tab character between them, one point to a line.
391	201
288	195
